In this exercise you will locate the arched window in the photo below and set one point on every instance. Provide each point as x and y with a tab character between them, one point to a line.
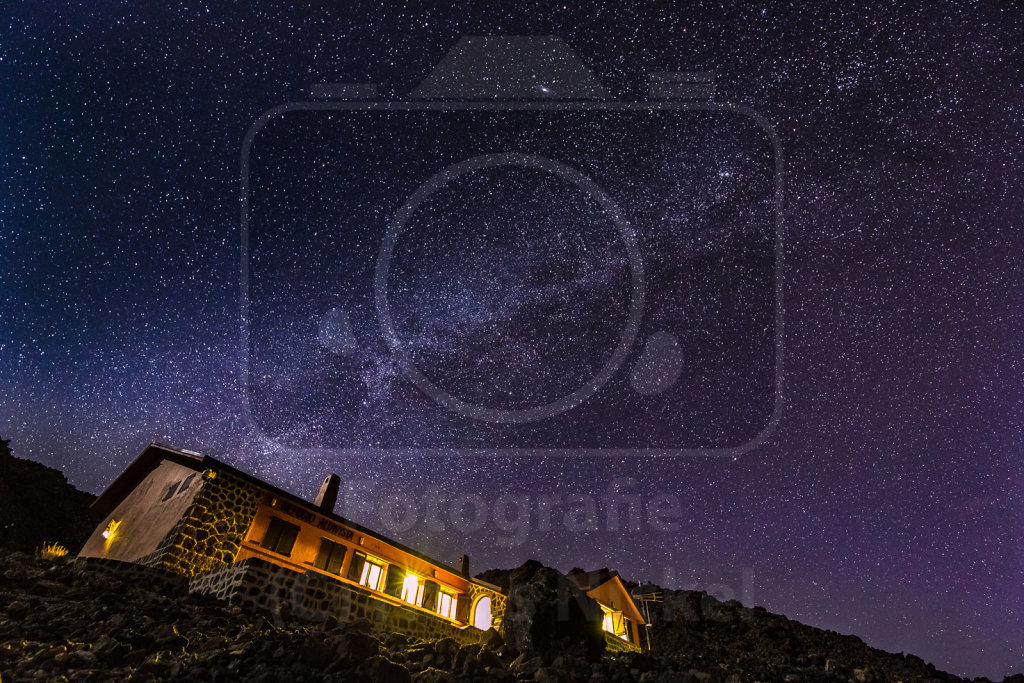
482	614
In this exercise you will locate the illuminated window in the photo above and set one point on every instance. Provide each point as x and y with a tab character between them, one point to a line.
330	557
412	589
446	605
366	571
616	623
482	614
370	576
280	536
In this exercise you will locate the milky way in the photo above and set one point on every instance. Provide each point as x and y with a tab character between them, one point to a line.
540	250
886	501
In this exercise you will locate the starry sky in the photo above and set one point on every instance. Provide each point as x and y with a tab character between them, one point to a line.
886	500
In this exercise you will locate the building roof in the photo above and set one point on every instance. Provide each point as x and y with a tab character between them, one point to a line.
156	453
591	581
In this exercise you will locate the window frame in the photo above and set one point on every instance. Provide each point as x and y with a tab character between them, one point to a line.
452	598
333	548
415	587
364	574
283	529
474	621
615	623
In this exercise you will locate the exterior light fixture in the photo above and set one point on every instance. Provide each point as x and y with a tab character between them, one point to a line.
111	530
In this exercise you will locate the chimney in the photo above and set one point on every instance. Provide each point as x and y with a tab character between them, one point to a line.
463	564
328	495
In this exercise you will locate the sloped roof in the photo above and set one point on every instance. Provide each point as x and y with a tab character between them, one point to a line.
592	582
148	460
588	580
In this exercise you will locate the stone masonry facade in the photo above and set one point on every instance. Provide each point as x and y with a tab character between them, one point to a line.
204	544
498	604
282	592
211	531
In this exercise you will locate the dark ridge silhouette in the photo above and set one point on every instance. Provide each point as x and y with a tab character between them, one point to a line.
38	505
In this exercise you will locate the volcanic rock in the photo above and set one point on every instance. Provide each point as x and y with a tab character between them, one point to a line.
549	615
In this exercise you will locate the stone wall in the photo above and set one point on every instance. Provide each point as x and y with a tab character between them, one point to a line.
211	531
498	605
311	596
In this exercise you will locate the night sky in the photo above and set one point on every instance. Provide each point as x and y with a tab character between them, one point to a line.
880	492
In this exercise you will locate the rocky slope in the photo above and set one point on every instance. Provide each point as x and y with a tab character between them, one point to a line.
697	637
38	505
85	621
73	620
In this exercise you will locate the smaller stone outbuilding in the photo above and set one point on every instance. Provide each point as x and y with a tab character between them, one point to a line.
622	621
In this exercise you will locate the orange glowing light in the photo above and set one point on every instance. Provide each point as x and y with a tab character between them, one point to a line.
111	531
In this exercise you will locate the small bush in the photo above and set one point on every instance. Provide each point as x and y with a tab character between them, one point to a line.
51	551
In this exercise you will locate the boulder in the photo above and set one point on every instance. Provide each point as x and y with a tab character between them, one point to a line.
549	615
354	647
525	665
465	653
433	676
446	648
491	640
382	670
547	674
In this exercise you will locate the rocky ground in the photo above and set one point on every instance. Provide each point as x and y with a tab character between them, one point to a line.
70	620
66	620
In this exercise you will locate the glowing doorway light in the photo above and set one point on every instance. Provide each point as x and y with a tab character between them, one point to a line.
482	614
412	589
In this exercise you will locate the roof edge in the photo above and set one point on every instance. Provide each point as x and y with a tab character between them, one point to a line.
139	469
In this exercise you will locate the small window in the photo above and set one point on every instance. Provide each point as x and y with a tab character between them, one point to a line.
412	589
171	490
330	557
616	623
280	536
629	630
188	482
366	571
446	605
